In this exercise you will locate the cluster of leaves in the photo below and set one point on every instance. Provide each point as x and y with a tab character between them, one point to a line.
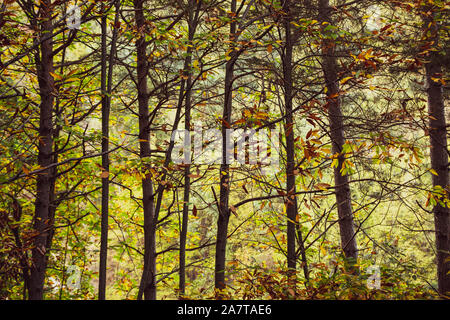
331	283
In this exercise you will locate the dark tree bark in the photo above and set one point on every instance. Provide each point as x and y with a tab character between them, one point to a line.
106	90
291	199
192	26
105	164
186	197
223	201
44	66
224	210
439	155
343	195
148	286
294	233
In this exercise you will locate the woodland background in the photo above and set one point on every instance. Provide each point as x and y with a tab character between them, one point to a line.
89	190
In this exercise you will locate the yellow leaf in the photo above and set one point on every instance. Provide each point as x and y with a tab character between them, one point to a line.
335	163
261	115
343	81
368	54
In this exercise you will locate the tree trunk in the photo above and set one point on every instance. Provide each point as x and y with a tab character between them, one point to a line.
106	89
294	233
151	209
148	287
343	196
192	21
42	226
187	190
105	165
291	199
439	157
224	210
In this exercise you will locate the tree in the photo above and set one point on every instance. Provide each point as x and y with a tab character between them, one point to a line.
341	180
148	288
240	19
438	145
291	190
193	21
106	91
225	181
44	181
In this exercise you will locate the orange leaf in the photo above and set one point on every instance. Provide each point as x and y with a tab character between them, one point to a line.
104	175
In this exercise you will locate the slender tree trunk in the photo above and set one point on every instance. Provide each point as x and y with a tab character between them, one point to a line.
291	200
186	197
148	282
225	182
439	157
105	164
224	210
294	233
44	66
192	21
54	202
149	285
343	196
106	89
